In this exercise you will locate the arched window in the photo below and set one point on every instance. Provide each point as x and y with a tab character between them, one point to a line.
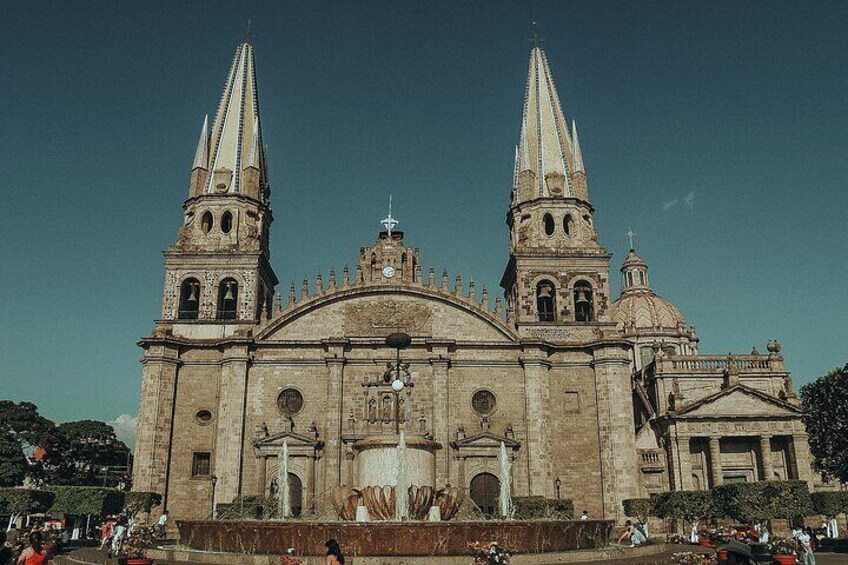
546	301
206	222
485	489
402	263
227	221
566	224
584	310
548	220
227	299
189	300
373	265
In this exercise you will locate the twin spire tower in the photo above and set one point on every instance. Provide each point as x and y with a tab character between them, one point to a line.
555	263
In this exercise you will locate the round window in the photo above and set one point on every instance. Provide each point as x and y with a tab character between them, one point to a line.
483	402
290	402
203	417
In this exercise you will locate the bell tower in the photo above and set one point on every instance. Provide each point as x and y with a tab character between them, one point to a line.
558	273
218	271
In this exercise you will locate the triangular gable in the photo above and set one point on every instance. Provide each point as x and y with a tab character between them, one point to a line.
293	440
485	440
739	400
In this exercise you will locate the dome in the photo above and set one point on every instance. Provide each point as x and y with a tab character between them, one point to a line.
642	309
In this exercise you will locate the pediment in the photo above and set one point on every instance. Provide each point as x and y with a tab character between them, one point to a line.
292	439
370	311
485	440
739	401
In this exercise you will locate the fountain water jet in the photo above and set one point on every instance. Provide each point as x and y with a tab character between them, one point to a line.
401	494
505	496
284	493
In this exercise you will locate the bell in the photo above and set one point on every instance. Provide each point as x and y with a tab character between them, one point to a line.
192	297
545	291
229	295
581	297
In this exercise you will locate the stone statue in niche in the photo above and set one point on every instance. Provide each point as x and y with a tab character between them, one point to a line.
372	410
387	408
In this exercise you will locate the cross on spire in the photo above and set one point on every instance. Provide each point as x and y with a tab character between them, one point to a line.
630	234
389	222
248	34
535	35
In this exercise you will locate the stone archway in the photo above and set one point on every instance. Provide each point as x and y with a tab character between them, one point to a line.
485	488
295	495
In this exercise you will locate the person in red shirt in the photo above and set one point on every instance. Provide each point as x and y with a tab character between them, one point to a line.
34	554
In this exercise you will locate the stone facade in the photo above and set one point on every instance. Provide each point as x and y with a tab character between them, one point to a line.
556	372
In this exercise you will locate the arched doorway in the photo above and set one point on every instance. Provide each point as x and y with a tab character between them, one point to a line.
295	495
485	488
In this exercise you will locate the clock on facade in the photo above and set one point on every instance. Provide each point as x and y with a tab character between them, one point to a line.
388	271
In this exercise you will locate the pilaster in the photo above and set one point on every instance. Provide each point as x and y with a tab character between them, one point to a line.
441	412
155	418
537	415
335	411
231	420
616	434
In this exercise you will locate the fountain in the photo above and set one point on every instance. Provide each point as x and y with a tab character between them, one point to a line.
505	496
401	495
284	491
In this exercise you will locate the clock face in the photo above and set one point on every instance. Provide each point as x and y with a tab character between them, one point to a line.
388	271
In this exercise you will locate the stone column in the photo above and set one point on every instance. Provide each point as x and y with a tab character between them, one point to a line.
232	402
683	462
441	413
537	422
153	444
765	453
335	412
715	462
261	475
799	451
619	467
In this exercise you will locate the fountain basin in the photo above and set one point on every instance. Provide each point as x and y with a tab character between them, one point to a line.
392	538
376	460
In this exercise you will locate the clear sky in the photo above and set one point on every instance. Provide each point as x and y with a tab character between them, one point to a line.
717	130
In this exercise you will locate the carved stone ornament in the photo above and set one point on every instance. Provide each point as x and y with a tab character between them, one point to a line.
382	317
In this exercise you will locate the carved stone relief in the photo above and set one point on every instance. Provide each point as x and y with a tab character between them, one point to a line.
382	317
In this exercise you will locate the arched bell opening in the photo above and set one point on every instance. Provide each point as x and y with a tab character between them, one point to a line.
584	305
227	299
189	300
546	301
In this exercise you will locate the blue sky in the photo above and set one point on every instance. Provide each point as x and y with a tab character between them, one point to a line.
717	130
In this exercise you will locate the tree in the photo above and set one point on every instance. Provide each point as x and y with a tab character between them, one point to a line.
13	463
88	449
639	508
18	501
87	500
33	433
763	500
690	506
825	403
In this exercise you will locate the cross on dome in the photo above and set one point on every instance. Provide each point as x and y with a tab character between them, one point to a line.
630	234
389	222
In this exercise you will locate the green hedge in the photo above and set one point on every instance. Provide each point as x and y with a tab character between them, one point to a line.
683	505
764	500
638	508
87	500
830	503
539	507
24	501
136	502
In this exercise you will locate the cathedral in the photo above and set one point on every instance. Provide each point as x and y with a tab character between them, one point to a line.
596	398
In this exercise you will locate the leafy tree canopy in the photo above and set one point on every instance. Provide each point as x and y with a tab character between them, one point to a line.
13	463
86	447
825	403
23	421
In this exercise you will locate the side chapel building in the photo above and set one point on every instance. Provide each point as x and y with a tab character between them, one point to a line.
598	398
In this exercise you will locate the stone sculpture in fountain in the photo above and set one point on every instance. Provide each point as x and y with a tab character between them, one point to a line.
395	479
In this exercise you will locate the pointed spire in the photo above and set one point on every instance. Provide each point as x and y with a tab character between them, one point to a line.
544	146
345	277
292	295
201	155
578	153
236	140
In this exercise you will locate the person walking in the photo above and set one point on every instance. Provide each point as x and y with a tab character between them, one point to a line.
334	553
162	525
120	534
34	554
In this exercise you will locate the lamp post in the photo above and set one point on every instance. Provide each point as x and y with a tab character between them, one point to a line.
557	484
214	480
398	341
